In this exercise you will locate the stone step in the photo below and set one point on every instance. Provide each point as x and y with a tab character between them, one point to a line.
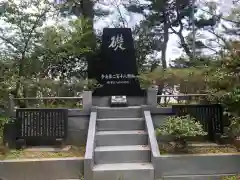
122	154
124	171
119	112
120	124
119	138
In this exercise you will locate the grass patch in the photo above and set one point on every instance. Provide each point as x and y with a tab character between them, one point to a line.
168	148
24	154
236	177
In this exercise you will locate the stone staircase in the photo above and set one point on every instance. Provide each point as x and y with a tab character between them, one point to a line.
121	149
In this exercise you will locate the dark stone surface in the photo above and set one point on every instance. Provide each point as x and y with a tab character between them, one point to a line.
116	69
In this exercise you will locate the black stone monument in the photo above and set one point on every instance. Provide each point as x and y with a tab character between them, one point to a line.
116	67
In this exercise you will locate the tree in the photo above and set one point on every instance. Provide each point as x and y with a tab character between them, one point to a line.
184	80
170	17
63	50
224	81
145	44
163	18
21	33
156	22
203	20
234	18
86	9
34	55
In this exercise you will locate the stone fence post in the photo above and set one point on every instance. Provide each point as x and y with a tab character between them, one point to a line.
10	105
87	100
152	96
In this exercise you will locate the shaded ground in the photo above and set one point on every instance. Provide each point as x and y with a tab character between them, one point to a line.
197	148
26	154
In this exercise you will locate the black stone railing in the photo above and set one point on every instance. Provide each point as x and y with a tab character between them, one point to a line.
209	115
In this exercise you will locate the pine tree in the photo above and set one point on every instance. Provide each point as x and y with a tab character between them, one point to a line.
164	17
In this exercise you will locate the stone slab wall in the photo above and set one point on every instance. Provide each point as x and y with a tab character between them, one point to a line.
212	164
78	121
159	115
44	169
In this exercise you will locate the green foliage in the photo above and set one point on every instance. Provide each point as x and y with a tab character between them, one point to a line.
218	77
20	35
234	19
145	44
181	127
91	84
66	48
187	80
3	120
234	128
236	177
23	21
40	60
82	7
162	17
224	83
205	22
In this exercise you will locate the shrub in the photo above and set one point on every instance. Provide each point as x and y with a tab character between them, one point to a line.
234	128
181	127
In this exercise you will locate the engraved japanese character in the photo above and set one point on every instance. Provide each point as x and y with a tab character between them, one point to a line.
117	42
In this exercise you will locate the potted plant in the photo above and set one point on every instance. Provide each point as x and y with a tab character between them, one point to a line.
180	128
234	131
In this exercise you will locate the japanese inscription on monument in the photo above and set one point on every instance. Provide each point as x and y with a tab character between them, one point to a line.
117	42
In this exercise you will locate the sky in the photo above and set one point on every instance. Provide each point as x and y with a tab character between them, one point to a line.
173	51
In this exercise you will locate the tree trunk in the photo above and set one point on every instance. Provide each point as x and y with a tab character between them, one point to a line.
185	46
88	13
164	45
16	94
164	50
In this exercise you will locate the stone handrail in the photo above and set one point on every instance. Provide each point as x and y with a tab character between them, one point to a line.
155	153
151	134
89	155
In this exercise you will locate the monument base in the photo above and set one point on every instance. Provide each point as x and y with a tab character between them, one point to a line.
120	91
